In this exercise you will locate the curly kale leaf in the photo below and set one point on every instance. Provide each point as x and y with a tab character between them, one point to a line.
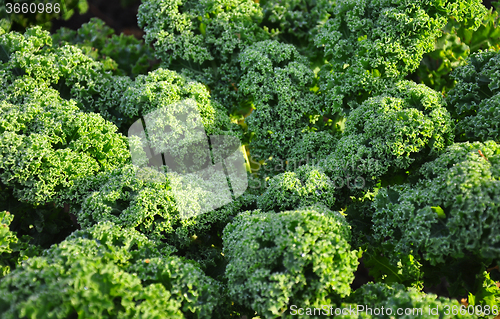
297	22
199	31
36	59
377	296
277	80
203	38
123	54
453	47
452	212
294	257
123	197
47	142
108	272
386	136
163	88
372	44
475	100
308	185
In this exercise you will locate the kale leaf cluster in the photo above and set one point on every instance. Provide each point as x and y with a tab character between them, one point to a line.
364	186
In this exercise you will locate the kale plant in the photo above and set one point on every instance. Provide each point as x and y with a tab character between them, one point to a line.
449	216
369	132
280	259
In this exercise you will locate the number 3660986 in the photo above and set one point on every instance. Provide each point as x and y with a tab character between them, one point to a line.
32	8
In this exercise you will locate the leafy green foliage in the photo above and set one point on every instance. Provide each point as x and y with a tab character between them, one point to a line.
407	270
107	272
163	88
327	122
7	240
277	80
206	245
453	47
202	38
300	257
20	21
13	250
198	31
40	225
475	100
34	58
289	190
386	135
99	42
372	44
420	305
296	22
476	81
449	215
486	292
313	146
483	125
121	196
47	142
436	66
